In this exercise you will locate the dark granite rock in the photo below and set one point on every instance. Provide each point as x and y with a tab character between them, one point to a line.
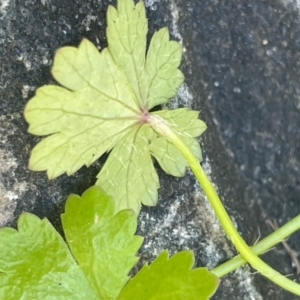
242	71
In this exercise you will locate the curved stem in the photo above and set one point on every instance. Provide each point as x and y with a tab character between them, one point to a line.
261	247
160	126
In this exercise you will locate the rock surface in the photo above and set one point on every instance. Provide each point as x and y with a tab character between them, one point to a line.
242	71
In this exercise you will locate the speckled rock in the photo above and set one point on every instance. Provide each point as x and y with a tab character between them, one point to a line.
241	62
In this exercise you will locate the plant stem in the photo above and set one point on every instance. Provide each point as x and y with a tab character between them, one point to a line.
261	247
160	126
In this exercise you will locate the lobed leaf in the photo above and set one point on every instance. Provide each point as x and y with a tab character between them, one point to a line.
126	32
102	241
171	279
187	125
35	263
86	121
104	106
161	77
129	174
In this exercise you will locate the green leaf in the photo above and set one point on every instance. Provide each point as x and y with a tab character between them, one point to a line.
104	105
126	32
156	79
36	264
161	77
187	125
102	241
171	279
84	122
128	173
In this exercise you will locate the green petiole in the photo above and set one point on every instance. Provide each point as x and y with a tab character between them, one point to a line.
261	247
160	126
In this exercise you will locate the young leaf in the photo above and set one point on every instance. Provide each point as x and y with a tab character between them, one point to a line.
101	241
171	279
35	263
105	105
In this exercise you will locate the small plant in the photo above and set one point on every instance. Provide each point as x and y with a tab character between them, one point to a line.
37	264
105	105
